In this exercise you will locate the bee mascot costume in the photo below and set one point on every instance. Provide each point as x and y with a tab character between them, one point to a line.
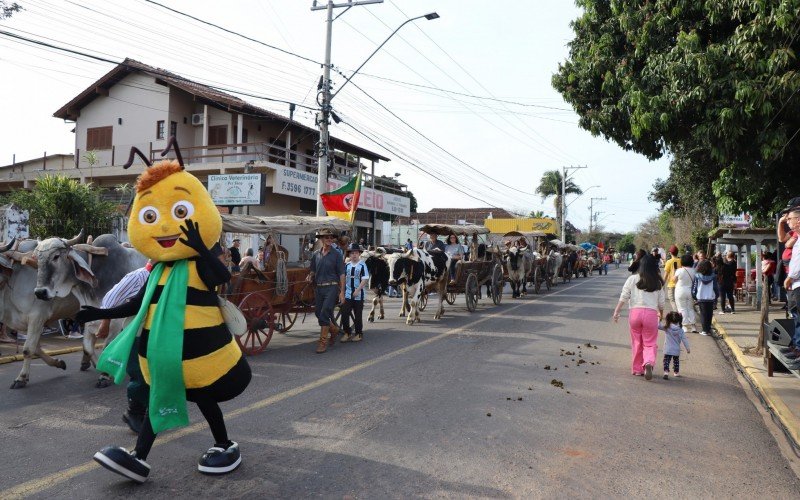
186	352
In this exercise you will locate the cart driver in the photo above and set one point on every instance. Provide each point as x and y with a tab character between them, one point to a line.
433	243
327	272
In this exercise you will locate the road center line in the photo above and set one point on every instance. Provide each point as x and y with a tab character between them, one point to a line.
51	480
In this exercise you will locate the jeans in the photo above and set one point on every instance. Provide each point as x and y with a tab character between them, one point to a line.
726	292
706	313
604	269
794	310
325	300
357	307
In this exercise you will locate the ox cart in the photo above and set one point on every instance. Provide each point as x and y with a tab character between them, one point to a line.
271	299
543	265
469	275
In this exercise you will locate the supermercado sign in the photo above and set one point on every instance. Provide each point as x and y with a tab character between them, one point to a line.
293	182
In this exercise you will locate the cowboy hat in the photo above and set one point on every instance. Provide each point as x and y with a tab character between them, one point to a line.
354	247
325	232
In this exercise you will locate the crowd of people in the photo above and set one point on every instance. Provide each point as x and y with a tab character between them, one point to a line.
692	285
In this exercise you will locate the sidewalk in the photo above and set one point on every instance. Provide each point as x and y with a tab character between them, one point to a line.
781	392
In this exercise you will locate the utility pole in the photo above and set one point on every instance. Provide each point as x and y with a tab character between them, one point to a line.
324	98
591	206
564	177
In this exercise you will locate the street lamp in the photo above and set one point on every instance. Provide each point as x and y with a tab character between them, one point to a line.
325	105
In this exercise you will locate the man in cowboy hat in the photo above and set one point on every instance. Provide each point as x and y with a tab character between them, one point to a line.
327	272
356	281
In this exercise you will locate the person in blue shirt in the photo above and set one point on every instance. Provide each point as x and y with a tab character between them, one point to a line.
356	281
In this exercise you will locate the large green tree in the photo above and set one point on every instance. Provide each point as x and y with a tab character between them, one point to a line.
60	206
711	82
551	185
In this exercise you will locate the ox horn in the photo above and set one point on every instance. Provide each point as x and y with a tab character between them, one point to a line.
28	259
74	240
91	249
8	247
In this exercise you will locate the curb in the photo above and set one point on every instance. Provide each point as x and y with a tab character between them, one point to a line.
771	400
54	352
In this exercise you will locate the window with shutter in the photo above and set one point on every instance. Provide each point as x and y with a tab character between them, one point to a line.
98	138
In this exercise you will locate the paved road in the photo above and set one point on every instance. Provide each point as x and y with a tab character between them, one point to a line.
462	407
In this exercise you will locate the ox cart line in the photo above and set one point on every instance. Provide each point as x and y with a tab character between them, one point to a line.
271	300
470	275
532	257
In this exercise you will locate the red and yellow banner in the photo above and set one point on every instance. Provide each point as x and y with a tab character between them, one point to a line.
343	202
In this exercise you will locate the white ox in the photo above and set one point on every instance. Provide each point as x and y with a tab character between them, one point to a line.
519	263
64	281
419	271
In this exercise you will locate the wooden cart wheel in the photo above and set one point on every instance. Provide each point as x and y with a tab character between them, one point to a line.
260	323
471	292
497	284
537	279
450	297
287	321
423	301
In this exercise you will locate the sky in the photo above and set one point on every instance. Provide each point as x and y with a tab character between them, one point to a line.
462	105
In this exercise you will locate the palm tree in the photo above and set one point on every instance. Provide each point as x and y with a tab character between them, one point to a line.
551	185
536	214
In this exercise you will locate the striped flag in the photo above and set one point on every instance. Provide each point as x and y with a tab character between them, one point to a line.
342	203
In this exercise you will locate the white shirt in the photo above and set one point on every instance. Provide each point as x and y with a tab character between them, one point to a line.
126	289
641	298
684	277
794	266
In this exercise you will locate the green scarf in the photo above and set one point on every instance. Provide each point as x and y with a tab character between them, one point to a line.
164	348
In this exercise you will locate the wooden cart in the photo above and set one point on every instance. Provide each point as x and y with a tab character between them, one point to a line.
271	300
470	275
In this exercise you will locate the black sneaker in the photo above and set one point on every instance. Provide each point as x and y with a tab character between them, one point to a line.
648	372
133	420
218	460
119	460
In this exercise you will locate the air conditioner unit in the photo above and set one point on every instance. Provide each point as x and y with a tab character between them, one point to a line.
197	119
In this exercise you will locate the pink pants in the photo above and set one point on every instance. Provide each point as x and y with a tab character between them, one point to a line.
644	337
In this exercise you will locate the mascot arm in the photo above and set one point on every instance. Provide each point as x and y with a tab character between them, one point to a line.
209	268
124	310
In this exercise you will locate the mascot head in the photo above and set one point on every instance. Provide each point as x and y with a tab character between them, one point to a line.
167	195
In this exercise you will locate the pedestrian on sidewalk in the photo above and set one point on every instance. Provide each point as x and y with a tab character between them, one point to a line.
644	292
673	338
670	266
683	280
792	282
356	279
705	291
727	282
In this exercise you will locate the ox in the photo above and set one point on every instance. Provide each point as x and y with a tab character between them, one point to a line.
378	269
420	272
67	275
518	266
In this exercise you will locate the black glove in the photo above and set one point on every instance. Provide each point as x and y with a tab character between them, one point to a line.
193	238
89	313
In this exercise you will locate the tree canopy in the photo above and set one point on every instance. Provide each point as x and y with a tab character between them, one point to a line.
713	84
551	185
60	206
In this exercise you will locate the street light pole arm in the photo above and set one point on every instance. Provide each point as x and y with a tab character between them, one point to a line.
427	16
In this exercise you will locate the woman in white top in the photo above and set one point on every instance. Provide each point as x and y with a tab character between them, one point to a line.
645	294
456	252
683	279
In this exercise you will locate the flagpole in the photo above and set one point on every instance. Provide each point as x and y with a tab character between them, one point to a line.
356	201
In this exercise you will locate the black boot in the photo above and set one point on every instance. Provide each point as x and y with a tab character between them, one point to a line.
134	415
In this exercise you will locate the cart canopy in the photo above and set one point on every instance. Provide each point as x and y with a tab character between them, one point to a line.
281	224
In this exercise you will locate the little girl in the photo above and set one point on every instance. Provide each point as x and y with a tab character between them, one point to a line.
673	327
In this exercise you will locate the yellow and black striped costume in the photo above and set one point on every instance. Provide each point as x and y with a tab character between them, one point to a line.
213	365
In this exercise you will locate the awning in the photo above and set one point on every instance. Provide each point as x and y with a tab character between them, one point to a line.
282	224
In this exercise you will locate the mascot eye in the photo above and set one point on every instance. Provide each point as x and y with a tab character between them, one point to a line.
148	215
182	209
